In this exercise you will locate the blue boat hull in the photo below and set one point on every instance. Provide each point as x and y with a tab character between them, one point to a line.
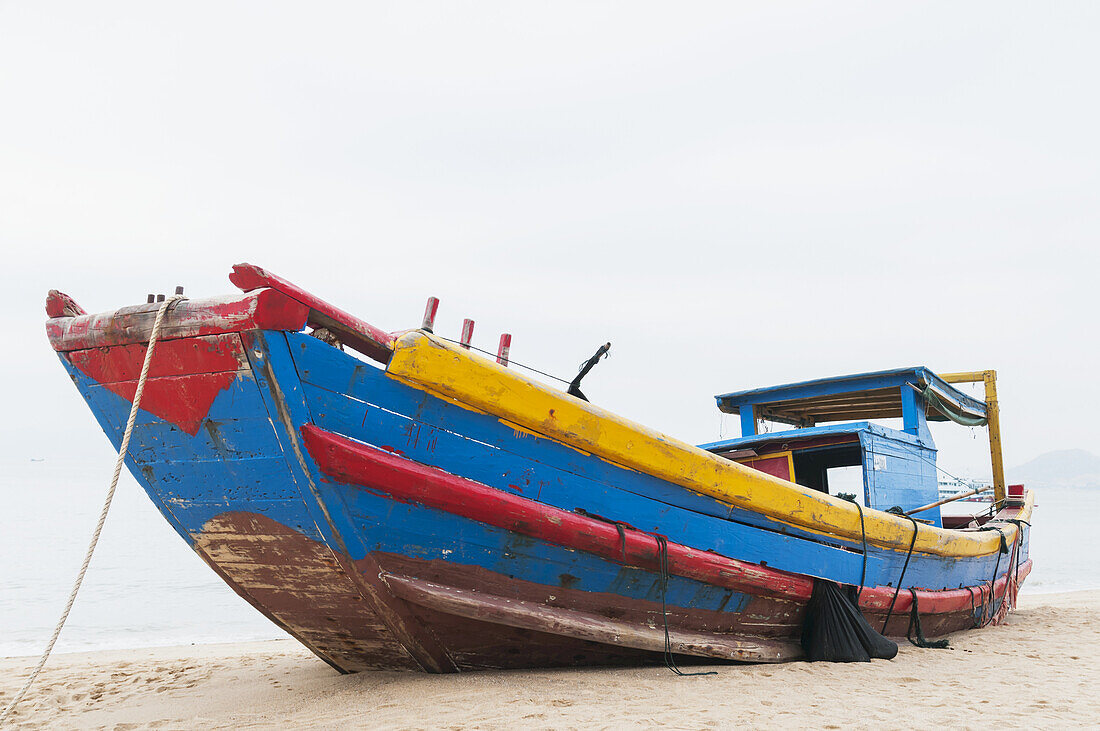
369	577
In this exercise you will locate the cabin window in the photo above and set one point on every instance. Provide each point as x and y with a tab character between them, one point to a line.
845	481
830	469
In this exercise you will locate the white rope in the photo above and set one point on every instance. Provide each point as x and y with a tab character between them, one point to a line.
106	505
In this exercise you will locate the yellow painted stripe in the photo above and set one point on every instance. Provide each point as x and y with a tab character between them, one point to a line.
440	367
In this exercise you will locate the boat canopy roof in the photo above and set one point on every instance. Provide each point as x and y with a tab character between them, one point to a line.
876	395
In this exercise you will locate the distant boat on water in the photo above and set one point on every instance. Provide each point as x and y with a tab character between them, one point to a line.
952	486
398	501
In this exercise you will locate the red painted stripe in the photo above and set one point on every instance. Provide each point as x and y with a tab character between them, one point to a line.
185	375
359	464
182	357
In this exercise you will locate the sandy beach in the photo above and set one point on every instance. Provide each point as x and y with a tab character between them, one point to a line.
1042	668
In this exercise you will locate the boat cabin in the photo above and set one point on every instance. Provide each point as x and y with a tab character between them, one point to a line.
897	467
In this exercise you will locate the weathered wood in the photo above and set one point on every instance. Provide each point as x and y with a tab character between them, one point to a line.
355	333
467	539
262	309
586	626
993	416
504	348
739	615
298	609
181	357
430	310
59	304
269	356
467	333
302	588
357	463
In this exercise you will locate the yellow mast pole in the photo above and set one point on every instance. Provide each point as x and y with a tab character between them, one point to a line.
993	421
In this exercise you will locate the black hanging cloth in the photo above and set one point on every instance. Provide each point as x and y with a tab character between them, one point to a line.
835	631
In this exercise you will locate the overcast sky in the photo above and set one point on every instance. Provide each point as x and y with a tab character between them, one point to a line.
735	195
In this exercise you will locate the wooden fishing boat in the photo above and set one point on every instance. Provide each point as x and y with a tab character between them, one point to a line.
399	501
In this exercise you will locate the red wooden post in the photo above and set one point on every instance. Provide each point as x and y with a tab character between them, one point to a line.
503	348
429	314
467	332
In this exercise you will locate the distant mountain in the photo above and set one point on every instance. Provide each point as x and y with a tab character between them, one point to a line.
1063	468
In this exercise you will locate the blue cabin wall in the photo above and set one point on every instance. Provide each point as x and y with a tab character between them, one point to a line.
897	472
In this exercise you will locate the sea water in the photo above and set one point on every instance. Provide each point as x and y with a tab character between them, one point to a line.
146	587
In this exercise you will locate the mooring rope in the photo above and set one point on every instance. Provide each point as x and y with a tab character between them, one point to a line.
890	611
106	505
662	561
993	582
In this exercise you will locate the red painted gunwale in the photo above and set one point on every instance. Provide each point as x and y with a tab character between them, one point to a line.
264	309
356	463
358	334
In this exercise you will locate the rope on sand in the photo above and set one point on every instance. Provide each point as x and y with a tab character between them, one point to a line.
106	505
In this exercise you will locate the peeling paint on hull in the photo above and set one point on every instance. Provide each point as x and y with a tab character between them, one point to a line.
387	527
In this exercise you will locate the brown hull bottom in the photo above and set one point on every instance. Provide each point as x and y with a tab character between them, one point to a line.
395	613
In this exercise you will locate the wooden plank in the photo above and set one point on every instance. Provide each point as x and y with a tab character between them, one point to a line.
356	463
298	583
877	396
183	401
184	357
262	309
430	310
59	304
356	333
776	464
359	464
587	626
280	387
964	377
467	333
504	348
